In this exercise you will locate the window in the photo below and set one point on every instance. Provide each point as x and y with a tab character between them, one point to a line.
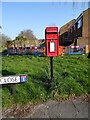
79	23
63	37
71	30
66	38
74	26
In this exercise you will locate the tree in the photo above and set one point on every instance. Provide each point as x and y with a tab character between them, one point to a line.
0	29
28	34
25	37
19	39
3	40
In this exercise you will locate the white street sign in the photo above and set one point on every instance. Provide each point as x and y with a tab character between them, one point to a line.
9	79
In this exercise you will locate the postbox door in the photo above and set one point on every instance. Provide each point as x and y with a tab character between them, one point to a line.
52	48
51	35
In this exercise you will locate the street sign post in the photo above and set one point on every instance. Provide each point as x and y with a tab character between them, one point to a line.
13	80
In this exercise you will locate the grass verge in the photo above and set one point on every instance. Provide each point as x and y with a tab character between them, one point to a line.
70	78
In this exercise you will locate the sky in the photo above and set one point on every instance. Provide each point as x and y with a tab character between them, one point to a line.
19	16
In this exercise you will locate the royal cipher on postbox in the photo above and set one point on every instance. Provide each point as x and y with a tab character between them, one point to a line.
52	41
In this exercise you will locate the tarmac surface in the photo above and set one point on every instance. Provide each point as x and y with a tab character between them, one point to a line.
67	109
72	108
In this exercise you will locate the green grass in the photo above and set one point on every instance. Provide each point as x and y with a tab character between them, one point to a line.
70	77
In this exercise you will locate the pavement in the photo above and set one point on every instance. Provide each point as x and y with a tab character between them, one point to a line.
71	108
76	108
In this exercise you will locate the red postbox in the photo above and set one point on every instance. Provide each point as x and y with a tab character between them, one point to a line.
52	41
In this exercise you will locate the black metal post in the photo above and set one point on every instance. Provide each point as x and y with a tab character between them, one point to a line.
51	61
13	89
